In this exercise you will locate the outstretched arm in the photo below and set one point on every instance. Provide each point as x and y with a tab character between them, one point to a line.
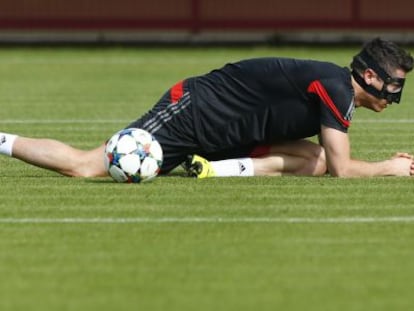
340	164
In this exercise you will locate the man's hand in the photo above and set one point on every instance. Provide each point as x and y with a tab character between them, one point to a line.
405	162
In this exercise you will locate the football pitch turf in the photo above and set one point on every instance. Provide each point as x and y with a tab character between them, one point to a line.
182	244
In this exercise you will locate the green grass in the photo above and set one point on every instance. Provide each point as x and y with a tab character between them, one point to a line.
181	244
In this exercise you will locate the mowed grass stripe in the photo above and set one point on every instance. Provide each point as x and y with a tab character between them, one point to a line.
224	220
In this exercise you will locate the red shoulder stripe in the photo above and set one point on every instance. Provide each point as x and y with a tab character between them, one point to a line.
317	88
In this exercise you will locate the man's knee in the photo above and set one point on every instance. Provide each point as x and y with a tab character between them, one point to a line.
88	164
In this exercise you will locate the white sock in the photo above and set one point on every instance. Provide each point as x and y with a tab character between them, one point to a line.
6	143
233	167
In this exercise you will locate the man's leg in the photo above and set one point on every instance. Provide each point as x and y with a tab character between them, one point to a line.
57	156
300	157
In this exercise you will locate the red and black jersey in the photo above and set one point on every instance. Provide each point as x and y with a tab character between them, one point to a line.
268	100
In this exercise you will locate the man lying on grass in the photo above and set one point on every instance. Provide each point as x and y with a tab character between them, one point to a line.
253	117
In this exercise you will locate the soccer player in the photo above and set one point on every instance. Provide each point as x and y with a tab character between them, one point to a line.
253	117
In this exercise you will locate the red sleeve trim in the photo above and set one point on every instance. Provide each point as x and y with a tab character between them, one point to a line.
317	88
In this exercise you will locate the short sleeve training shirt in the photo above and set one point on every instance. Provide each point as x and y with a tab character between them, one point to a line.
268	100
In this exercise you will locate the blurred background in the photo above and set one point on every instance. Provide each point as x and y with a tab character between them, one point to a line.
204	21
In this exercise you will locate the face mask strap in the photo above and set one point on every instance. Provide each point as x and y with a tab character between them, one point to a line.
368	88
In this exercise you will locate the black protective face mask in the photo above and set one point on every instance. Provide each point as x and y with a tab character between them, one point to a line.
392	88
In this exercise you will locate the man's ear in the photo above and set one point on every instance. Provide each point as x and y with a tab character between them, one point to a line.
369	75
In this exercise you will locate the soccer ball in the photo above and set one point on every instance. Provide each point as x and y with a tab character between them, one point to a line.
133	155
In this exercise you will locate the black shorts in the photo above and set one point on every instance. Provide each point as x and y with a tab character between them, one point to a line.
171	122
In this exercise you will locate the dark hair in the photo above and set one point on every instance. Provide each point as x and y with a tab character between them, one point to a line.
386	54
